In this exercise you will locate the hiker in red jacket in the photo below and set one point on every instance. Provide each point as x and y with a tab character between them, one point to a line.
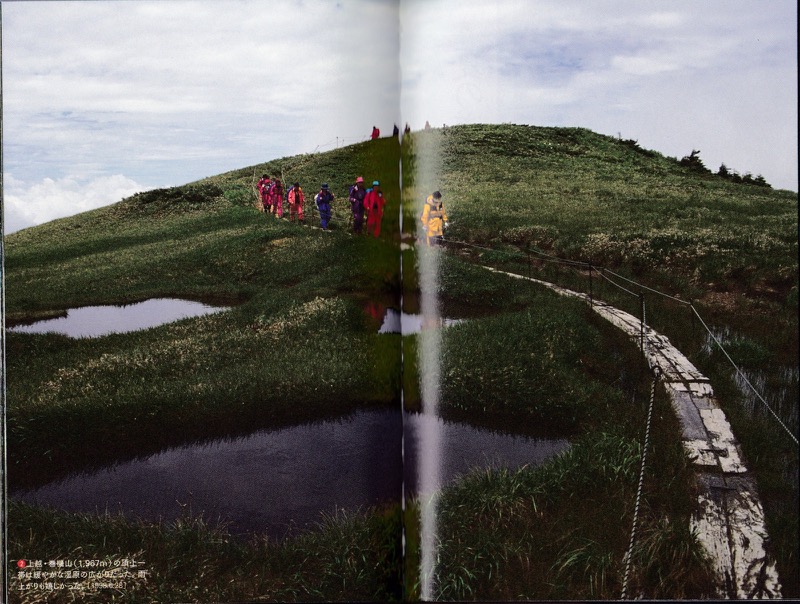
276	197
296	199
375	132
373	206
263	189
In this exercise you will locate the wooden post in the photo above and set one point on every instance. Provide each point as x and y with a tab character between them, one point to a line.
641	321
530	267
602	281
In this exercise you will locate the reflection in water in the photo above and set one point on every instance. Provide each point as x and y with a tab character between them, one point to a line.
96	321
397	322
259	483
464	448
267	481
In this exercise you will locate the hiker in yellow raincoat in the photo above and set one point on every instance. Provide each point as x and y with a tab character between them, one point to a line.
434	219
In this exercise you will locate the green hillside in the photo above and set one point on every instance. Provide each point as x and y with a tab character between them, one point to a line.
585	196
300	344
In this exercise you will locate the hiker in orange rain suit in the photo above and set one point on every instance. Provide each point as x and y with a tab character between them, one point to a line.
276	197
373	207
434	219
296	199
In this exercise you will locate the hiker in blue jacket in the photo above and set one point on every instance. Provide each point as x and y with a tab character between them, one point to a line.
324	199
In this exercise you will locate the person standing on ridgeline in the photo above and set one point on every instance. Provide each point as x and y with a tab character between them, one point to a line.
263	189
324	199
375	132
396	131
434	219
296	200
373	205
276	197
357	195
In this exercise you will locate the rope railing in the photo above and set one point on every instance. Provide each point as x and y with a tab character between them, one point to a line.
650	289
744	377
614	283
480	247
639	490
560	260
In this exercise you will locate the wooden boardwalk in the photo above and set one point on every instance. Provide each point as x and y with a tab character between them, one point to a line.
729	519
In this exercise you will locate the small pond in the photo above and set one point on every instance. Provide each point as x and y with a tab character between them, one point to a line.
264	482
97	321
396	322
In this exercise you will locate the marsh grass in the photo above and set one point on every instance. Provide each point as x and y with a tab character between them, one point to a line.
561	530
219	375
349	556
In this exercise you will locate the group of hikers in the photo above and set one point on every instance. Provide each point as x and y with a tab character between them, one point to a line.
364	203
376	132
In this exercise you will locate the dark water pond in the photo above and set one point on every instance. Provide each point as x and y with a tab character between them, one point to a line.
96	321
267	481
396	322
464	447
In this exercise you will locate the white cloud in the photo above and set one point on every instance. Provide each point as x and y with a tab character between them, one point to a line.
718	76
26	204
643	65
178	57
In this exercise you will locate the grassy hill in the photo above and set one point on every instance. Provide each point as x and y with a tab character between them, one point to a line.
585	196
298	345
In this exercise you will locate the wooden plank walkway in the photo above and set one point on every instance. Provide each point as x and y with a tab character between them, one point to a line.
729	520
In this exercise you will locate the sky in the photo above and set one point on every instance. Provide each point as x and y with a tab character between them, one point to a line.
106	98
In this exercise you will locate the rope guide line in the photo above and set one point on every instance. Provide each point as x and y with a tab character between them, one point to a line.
744	377
629	553
612	282
655	291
